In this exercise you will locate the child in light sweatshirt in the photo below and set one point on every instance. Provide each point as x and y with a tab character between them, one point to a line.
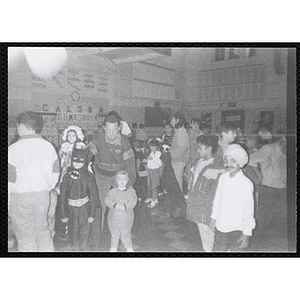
121	201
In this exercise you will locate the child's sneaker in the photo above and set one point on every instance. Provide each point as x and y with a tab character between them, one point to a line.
113	250
148	200
152	204
129	249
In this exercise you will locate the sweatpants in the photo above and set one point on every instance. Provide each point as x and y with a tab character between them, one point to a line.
29	220
120	224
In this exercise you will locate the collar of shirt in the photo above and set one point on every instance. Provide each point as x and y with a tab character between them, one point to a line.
236	176
116	142
29	136
199	167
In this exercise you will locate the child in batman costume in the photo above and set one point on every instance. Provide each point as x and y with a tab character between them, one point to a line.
79	200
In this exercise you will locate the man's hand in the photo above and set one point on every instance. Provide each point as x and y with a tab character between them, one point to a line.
212	224
244	240
65	220
91	220
120	207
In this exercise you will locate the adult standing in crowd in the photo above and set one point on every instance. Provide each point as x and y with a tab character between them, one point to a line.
180	148
193	133
125	129
113	152
272	212
33	171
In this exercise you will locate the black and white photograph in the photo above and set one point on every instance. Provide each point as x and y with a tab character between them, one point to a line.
138	149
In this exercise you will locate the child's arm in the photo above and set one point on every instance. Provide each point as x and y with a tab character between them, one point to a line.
258	156
64	199
111	201
217	200
156	158
133	199
248	211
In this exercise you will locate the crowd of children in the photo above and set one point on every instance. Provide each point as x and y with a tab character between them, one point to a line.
229	182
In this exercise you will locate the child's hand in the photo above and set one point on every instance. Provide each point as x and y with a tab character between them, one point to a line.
212	224
245	241
65	220
91	220
120	207
186	197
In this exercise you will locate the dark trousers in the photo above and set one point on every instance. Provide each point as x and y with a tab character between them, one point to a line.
271	219
79	228
104	184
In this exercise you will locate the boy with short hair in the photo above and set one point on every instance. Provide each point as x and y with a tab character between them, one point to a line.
33	171
202	188
233	207
167	137
227	132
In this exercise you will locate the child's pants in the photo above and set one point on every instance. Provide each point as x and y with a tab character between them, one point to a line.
125	236
207	235
79	228
120	224
29	219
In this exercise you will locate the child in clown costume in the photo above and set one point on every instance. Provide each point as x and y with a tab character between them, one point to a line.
71	135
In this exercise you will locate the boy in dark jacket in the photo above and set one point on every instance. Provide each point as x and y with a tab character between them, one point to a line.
202	188
79	200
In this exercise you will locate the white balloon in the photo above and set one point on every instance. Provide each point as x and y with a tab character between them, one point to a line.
45	62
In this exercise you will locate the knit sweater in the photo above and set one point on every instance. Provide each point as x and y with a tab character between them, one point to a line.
111	158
